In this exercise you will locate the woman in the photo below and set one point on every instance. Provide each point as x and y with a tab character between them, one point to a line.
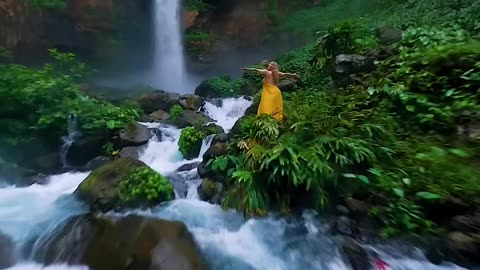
271	102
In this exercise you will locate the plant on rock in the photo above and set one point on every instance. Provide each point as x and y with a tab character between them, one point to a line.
190	142
144	186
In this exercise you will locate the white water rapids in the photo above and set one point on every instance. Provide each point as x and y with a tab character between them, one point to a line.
227	240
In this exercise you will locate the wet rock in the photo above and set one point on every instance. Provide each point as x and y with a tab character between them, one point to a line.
466	223
212	128
158	100
101	189
237	127
192	119
445	209
342	210
7	251
12	173
96	163
288	85
191	102
211	191
347	64
204	171
346	226
220	138
49	162
388	35
216	150
132	242
134	134
26	181
130	152
156	116
188	167
253	109
358	209
85	149
464	247
355	254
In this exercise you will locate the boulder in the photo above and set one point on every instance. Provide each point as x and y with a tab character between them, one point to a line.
466	223
204	90
347	64
134	134
358	209
204	171
236	129
158	100
211	191
221	138
156	116
355	254
212	128
85	149
7	251
49	162
101	189
188	167
216	150
129	152
12	173
191	102
96	163
129	243
288	84
192	118
346	227
388	35
463	247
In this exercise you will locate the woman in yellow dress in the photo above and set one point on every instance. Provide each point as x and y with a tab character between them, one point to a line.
271	102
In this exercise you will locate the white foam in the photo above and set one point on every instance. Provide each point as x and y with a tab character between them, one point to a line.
229	112
35	266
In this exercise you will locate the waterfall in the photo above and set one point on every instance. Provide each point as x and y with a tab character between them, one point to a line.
73	134
169	64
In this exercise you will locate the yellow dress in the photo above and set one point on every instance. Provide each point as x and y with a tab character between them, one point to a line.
271	102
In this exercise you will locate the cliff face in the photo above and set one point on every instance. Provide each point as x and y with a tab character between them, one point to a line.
85	27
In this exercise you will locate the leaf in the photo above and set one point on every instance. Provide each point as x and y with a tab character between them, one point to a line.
428	195
406	181
111	124
349	175
410	108
375	172
459	153
399	192
364	179
371	90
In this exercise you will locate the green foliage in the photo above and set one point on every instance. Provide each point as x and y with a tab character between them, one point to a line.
225	86
197	36
145	186
48	4
175	112
36	103
199	5
190	142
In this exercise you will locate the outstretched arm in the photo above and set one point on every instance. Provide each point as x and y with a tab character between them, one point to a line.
261	71
292	75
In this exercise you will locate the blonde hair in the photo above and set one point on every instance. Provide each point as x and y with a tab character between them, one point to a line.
276	72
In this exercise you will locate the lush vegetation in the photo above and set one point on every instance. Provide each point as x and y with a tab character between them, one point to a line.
145	186
175	112
37	103
190	142
390	137
200	5
49	4
225	86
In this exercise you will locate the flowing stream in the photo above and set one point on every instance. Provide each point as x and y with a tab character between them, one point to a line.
227	240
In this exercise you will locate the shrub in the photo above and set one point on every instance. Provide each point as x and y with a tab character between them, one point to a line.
175	112
224	86
190	142
145	186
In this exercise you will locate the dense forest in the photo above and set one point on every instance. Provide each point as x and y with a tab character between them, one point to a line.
381	132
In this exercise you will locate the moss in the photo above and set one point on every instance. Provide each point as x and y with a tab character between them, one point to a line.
208	188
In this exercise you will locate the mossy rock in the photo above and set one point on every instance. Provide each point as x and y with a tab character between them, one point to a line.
102	189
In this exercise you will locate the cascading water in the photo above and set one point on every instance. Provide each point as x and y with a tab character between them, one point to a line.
169	70
73	134
227	240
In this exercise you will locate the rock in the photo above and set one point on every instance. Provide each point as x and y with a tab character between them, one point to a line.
347	64
26	181
463	247
132	242
7	251
156	116
96	163
288	85
212	128
445	209
466	223
358	209
191	118
204	90
216	150
220	138
188	167
204	171
101	189
134	134
85	149
346	226
355	254
49	162
253	109
12	173
342	210
237	127
158	100
211	191
191	102
129	152
388	35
